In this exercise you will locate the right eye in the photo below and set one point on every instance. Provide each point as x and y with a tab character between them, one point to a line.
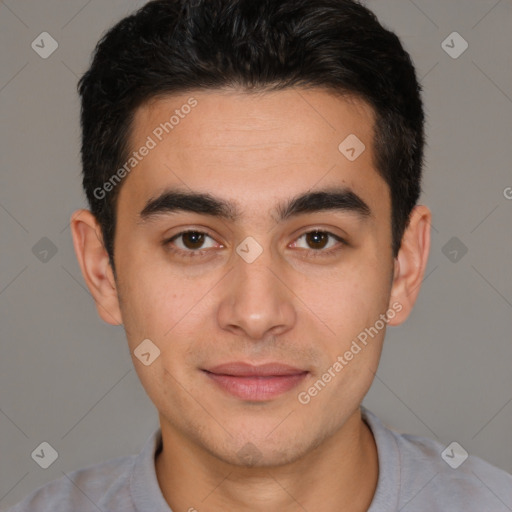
189	243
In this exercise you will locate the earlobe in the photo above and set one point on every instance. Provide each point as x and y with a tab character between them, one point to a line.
411	262
95	266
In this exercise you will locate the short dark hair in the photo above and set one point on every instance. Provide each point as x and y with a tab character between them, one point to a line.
177	46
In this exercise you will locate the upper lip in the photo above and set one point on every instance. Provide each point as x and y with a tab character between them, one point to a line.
240	369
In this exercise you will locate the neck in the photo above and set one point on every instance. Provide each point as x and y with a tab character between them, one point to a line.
340	474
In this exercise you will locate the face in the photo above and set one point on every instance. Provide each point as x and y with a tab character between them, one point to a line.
283	285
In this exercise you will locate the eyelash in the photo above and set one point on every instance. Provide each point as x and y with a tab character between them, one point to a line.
314	253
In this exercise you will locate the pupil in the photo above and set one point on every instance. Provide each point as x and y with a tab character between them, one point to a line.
316	237
195	239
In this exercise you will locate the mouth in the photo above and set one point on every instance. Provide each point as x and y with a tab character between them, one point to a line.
255	383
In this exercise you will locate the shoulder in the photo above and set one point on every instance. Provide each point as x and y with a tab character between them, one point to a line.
434	476
99	487
453	475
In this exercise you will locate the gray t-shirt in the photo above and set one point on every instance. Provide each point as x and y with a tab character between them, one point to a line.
413	477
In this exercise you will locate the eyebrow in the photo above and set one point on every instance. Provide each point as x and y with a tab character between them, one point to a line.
174	200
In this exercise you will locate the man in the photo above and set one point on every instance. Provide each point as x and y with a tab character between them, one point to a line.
253	171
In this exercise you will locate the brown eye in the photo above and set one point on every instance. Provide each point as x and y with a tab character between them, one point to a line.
317	239
319	243
190	243
193	239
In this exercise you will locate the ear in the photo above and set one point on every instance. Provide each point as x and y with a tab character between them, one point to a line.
410	263
94	263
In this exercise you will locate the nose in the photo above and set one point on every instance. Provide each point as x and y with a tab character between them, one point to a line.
256	302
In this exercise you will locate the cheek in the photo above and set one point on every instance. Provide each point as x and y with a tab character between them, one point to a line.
158	304
146	302
353	299
353	312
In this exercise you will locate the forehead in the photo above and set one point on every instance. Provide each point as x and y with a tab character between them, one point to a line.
243	118
255	146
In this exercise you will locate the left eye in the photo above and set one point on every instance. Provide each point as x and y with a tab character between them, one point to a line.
318	240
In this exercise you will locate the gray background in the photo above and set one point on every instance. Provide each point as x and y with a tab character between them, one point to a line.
67	378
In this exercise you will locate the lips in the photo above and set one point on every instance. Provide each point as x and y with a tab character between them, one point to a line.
255	383
248	370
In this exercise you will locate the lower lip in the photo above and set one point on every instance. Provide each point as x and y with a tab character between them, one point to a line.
257	388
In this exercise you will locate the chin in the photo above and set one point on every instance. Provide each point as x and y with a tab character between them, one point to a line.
258	449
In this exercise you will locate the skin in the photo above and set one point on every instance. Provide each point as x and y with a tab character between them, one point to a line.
287	306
